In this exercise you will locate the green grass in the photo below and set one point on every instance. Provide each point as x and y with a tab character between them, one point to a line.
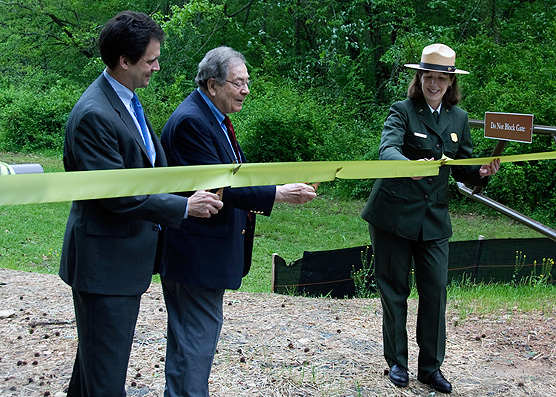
482	299
31	235
50	161
328	224
469	226
323	224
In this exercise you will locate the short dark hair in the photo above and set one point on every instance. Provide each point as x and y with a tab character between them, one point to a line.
127	34
451	97
216	64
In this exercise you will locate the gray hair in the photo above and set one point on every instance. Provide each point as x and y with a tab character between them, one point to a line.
215	65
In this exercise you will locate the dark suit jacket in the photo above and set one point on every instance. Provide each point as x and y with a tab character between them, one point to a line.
110	244
407	207
210	252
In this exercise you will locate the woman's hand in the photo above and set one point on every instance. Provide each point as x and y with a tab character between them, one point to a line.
418	178
490	169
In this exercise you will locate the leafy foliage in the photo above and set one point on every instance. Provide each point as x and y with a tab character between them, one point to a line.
36	120
282	125
324	72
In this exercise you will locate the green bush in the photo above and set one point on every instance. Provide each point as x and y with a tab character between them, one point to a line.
280	123
35	120
528	187
160	99
525	187
510	77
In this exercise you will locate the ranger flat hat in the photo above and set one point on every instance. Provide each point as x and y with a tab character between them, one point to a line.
437	58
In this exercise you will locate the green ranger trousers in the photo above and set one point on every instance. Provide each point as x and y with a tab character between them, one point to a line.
394	256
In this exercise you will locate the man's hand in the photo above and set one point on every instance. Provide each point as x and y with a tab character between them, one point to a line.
490	169
295	193
203	204
418	178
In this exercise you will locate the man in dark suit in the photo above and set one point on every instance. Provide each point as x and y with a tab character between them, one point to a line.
110	245
206	256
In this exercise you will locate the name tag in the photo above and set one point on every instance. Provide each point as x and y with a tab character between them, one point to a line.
420	135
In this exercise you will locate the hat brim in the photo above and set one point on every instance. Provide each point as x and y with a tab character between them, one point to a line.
419	67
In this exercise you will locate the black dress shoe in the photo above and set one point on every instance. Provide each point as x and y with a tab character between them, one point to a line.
438	382
398	376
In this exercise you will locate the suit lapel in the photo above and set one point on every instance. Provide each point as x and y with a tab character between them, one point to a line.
120	108
425	116
160	160
445	119
216	128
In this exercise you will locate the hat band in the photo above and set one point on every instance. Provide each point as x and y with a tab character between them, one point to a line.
440	68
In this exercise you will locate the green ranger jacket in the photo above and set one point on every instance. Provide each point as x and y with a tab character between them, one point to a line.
407	207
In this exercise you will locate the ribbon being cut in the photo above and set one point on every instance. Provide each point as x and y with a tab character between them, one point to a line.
86	185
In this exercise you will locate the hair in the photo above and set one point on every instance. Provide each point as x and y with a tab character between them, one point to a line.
128	34
216	64
451	97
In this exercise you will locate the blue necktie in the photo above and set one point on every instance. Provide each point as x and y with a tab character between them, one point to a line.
138	109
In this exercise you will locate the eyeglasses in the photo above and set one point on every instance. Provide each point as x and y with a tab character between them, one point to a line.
240	86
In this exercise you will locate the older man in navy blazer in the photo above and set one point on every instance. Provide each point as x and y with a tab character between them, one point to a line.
206	256
110	245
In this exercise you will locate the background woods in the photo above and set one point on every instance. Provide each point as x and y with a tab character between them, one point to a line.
324	72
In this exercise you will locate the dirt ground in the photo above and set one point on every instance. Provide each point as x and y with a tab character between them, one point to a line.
275	345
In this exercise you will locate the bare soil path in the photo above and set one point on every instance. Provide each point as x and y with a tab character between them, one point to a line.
275	345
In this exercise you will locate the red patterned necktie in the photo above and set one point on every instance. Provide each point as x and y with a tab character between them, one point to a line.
233	140
232	136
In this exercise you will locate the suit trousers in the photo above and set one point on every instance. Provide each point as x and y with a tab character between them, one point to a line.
393	259
105	328
194	323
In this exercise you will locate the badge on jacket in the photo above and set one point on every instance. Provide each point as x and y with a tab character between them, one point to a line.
454	137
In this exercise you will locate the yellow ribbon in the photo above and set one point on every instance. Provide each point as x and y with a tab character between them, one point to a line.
6	169
85	185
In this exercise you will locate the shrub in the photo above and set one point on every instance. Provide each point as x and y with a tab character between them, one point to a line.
279	123
160	99
34	120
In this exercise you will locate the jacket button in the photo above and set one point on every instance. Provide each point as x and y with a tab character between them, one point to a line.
243	231
426	197
429	180
156	228
437	146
